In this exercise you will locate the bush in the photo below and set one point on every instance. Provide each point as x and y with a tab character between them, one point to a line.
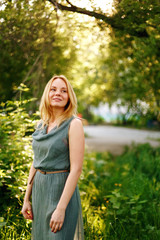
120	196
15	159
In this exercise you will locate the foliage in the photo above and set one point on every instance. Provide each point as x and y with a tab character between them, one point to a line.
33	48
113	56
16	155
120	196
129	68
137	120
134	72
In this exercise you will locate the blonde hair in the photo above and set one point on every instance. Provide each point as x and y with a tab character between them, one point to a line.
46	110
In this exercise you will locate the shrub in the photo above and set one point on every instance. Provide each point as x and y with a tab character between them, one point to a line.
15	159
120	196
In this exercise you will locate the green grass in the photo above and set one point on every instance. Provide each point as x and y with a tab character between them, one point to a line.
120	195
154	139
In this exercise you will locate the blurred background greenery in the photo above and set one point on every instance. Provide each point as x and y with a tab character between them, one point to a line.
109	50
111	57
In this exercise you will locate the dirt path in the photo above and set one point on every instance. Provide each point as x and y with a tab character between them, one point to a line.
114	139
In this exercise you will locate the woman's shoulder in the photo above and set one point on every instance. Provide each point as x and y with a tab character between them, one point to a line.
76	130
76	122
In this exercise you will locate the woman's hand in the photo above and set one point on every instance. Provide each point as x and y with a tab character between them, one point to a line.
27	210
57	220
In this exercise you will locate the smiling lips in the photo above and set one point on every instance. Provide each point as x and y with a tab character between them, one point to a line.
56	99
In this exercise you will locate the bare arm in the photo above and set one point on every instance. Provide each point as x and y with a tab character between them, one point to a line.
76	148
27	209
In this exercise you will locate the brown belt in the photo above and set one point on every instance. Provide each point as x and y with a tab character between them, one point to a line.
58	171
44	172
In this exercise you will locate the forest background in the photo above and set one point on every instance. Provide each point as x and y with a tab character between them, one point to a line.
109	50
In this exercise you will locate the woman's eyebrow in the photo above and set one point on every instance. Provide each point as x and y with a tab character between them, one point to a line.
63	88
56	87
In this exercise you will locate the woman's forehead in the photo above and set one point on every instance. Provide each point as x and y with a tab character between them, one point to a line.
59	82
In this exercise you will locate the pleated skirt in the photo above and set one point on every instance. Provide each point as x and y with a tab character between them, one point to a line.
46	192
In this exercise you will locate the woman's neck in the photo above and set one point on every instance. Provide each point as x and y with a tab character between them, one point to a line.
56	115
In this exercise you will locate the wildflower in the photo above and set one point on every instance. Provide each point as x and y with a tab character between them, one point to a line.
118	184
103	208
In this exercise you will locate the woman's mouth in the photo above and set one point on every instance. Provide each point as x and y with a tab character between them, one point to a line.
57	99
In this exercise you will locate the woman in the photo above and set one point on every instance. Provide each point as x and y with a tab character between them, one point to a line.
58	145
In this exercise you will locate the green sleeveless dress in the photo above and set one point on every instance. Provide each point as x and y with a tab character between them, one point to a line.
51	153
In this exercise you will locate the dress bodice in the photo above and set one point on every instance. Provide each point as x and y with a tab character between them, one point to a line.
51	150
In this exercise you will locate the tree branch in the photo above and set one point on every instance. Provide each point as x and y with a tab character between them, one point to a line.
113	21
74	8
70	3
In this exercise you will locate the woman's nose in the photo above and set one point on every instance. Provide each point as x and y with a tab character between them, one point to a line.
57	93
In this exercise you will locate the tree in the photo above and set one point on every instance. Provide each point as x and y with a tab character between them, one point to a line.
32	47
134	12
133	61
111	56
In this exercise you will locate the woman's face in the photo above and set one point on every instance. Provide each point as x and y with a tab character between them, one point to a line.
58	94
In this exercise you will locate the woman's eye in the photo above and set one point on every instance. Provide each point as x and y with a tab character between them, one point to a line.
54	90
